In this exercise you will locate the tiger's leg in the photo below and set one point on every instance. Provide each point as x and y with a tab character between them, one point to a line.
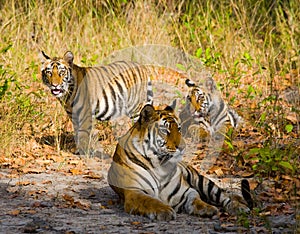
194	205
209	192
86	135
214	195
82	135
203	209
138	203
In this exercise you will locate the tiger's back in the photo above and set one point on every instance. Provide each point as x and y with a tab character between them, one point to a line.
125	88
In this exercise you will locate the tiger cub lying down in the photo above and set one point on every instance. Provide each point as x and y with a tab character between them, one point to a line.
148	174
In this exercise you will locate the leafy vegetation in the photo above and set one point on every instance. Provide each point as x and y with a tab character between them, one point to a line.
251	47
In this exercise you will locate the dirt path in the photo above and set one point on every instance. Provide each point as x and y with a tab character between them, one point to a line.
58	202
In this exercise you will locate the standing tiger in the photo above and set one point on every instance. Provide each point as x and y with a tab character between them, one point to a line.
206	107
148	174
101	92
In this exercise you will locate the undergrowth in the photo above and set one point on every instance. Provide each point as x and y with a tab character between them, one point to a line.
251	47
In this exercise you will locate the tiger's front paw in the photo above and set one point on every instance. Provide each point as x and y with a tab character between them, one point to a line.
203	209
165	213
235	207
151	208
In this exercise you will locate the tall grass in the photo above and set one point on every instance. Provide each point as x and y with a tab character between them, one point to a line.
238	39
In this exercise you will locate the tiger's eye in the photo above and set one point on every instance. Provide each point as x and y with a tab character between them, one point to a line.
164	131
62	73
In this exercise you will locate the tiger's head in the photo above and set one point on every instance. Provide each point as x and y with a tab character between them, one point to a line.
160	131
199	97
57	73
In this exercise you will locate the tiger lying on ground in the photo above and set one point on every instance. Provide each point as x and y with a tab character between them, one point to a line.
207	109
148	174
103	92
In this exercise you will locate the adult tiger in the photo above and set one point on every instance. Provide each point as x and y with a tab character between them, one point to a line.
206	107
148	174
103	92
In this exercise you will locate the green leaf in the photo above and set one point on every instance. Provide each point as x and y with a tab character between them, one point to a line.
229	145
247	56
254	151
263	117
199	52
5	49
286	164
181	67
179	94
274	168
289	128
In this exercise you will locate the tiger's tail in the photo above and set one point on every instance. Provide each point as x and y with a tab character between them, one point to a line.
149	92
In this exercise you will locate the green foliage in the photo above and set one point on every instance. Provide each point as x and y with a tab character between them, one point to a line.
243	219
209	58
289	128
90	61
271	160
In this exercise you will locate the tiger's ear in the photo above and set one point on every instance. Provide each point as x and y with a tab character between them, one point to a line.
190	83
210	84
43	57
147	114
69	57
172	106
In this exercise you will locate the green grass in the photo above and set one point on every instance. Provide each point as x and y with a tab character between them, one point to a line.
249	45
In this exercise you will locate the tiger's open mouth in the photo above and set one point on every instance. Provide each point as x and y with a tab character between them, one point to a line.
56	92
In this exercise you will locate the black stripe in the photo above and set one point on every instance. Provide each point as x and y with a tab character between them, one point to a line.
136	161
200	188
146	180
113	97
218	195
119	86
209	189
102	68
189	177
140	73
174	192
182	199
223	204
124	79
101	115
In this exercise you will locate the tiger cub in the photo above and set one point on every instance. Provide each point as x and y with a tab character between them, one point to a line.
206	109
148	174
101	92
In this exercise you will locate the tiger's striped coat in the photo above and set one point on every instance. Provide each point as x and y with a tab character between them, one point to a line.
101	92
149	176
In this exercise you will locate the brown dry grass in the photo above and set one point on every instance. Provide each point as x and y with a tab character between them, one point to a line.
251	47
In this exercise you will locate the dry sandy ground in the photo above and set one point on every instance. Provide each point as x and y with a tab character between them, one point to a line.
59	202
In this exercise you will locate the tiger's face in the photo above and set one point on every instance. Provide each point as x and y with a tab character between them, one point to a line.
163	135
57	73
197	96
